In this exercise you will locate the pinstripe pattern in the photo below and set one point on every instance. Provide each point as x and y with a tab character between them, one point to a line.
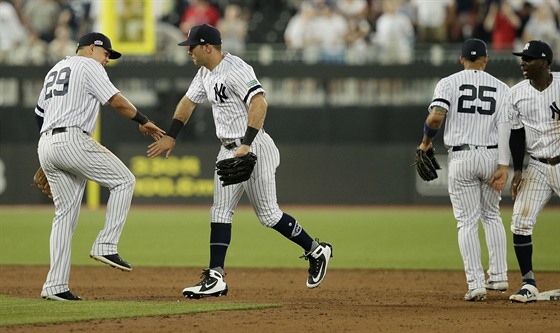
474	128
88	86
240	84
72	157
476	103
538	113
260	188
230	87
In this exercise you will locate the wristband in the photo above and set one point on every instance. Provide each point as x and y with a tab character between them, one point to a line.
175	128
140	118
250	135
429	132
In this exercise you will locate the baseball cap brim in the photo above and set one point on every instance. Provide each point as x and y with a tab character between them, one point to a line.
188	43
114	54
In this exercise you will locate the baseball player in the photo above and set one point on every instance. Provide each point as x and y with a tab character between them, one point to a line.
66	113
472	102
535	117
239	108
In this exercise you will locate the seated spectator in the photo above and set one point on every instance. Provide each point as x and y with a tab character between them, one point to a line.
432	20
502	22
329	28
356	39
41	17
62	45
233	27
394	35
12	31
199	12
298	34
542	26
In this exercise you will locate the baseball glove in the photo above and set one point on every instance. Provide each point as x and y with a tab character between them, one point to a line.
426	164
40	180
236	169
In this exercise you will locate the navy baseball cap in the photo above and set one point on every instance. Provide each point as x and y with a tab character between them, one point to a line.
202	34
474	48
98	39
536	49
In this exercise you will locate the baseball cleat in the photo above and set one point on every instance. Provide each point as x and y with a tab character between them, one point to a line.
212	284
65	296
478	294
528	293
500	286
318	264
113	260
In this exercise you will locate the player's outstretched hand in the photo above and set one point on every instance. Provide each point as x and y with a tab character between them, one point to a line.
515	183
152	130
165	144
499	178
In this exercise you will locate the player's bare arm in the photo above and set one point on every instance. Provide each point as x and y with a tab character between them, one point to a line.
182	114
256	115
433	122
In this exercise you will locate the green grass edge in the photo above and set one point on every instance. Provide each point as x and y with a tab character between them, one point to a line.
25	311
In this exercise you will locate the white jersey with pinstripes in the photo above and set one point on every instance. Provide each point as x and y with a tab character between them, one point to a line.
475	101
476	104
539	113
69	102
72	92
229	87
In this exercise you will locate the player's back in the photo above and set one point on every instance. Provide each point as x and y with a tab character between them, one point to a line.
72	91
475	103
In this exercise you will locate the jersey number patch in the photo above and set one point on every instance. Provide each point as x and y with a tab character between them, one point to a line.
471	93
61	79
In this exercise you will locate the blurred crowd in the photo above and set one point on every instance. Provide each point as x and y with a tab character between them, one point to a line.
36	32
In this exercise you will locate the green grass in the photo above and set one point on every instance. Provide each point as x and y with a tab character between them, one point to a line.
369	238
18	311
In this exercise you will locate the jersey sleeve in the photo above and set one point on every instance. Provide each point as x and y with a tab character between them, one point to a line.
98	83
196	92
244	83
503	107
442	95
513	111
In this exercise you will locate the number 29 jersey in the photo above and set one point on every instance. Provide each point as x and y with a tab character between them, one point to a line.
476	102
72	92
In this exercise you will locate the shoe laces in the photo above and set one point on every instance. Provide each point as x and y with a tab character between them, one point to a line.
314	263
205	276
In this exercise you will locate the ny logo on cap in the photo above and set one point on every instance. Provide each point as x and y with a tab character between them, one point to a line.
526	46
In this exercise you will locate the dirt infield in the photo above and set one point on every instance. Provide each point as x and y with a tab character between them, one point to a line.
347	301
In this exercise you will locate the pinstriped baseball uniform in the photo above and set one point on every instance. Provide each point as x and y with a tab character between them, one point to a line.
230	87
476	102
539	113
69	104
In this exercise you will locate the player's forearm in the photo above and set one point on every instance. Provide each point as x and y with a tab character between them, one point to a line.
257	112
184	110
182	114
123	106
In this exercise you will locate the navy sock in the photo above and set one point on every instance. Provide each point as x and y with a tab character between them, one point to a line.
220	237
523	246
291	229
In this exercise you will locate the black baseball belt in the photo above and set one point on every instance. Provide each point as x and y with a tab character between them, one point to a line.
551	161
61	130
469	147
231	143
